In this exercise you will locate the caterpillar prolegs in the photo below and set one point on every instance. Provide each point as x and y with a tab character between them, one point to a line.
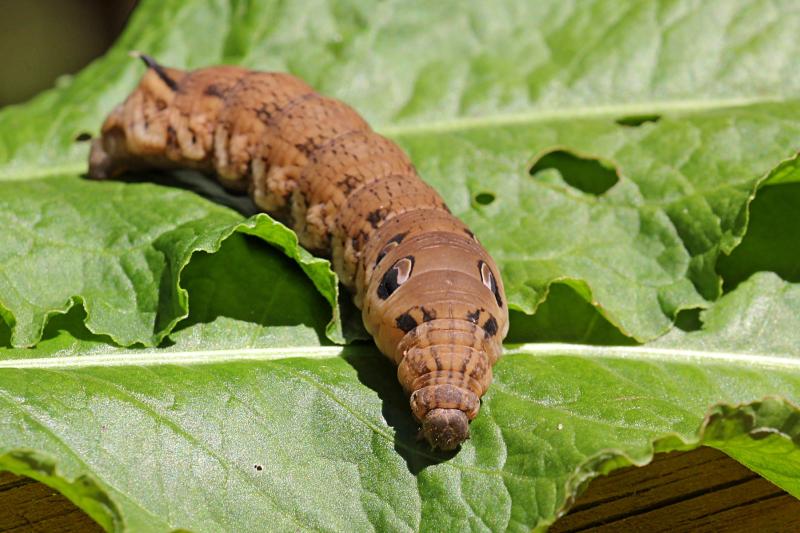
430	294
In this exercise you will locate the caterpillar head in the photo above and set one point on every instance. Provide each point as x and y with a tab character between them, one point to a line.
445	429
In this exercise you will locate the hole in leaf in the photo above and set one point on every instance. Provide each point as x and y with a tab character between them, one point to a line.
688	320
637	120
772	240
83	137
484	198
588	175
5	334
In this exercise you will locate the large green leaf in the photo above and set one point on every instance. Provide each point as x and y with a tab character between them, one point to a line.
207	437
605	153
119	249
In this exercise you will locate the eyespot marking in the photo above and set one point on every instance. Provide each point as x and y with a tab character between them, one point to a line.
395	276
427	314
471	235
404	267
490	327
489	281
394	241
405	322
386	249
473	317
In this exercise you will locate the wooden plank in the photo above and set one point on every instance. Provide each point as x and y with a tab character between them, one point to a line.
27	505
703	490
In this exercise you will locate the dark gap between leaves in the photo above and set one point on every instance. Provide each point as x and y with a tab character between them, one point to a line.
772	241
565	316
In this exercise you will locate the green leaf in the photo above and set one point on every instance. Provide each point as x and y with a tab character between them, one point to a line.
119	249
203	436
606	154
490	90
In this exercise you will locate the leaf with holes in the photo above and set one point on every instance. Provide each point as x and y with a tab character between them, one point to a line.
604	154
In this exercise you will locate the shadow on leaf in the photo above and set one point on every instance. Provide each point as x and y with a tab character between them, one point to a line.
196	182
377	373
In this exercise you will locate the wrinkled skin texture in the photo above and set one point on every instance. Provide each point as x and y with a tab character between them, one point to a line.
430	294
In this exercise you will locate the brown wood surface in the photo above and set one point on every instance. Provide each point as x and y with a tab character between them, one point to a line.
27	505
702	490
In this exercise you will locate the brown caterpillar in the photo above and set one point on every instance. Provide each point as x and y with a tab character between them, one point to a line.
429	293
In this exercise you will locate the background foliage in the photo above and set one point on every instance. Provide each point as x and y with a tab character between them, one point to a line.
168	363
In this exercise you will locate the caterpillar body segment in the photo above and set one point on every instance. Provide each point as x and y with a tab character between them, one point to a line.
429	293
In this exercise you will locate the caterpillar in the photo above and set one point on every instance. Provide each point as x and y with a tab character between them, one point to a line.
430	294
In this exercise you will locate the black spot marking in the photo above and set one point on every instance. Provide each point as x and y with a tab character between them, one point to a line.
388	284
497	298
307	148
377	216
487	276
398	238
349	183
83	137
473	317
213	90
405	322
428	314
490	327
258	467
359	240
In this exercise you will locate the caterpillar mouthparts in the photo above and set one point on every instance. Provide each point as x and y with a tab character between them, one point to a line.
430	294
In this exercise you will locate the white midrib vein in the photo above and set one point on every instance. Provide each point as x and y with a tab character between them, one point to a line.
464	123
205	357
577	112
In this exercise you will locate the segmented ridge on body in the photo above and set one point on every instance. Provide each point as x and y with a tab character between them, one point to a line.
430	294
